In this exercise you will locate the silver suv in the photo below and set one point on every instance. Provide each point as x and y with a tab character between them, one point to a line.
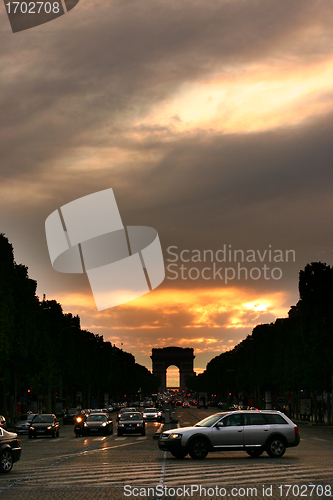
250	431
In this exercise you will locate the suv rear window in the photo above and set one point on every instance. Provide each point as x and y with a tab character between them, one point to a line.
274	418
254	419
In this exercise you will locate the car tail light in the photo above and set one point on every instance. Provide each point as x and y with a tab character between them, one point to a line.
296	430
18	442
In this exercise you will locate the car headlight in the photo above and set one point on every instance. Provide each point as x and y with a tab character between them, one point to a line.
103	424
49	427
85	425
175	436
32	428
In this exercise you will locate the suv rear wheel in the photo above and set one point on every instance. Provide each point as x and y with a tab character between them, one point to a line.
276	447
198	449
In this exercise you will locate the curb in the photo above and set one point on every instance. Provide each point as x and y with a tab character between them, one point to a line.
158	432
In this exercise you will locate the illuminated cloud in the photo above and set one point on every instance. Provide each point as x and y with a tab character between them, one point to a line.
209	320
249	98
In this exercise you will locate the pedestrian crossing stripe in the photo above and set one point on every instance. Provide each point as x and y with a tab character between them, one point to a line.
176	472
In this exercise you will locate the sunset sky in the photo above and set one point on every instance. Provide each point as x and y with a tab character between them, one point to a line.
212	120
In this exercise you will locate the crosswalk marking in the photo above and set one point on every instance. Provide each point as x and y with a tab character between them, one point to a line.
177	472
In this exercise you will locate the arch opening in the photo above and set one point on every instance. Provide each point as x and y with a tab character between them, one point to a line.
173	377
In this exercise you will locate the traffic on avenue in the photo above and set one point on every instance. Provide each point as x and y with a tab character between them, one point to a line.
121	455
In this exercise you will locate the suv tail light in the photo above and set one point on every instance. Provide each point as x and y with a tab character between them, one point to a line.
296	430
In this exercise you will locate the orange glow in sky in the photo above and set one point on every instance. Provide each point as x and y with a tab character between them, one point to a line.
209	320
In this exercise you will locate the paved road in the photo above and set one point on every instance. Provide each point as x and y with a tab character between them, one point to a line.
72	468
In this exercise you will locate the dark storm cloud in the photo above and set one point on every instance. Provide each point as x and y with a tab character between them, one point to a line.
271	181
247	190
117	58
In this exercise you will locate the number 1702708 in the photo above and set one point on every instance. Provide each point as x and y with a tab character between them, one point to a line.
33	7
305	490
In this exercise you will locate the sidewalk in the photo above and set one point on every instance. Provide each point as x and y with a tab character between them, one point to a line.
305	422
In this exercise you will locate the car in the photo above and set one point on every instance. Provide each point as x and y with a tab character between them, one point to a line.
23	423
69	415
101	410
44	425
251	431
131	422
10	450
125	410
186	404
152	414
3	423
99	423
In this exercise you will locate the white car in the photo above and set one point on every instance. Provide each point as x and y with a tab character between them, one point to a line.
151	414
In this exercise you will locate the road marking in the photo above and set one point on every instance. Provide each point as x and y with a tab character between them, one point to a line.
163	470
168	474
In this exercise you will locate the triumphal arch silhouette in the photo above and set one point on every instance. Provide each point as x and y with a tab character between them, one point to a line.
182	357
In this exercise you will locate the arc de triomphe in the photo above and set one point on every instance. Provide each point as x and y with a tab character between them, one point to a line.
178	356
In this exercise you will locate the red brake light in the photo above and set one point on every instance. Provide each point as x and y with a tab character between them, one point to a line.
296	430
18	442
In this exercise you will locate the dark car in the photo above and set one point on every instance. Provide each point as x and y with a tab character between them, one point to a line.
10	450
69	415
251	431
23	423
98	422
131	423
101	410
44	425
125	410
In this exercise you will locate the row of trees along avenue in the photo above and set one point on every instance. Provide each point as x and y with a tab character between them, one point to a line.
47	359
291	360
